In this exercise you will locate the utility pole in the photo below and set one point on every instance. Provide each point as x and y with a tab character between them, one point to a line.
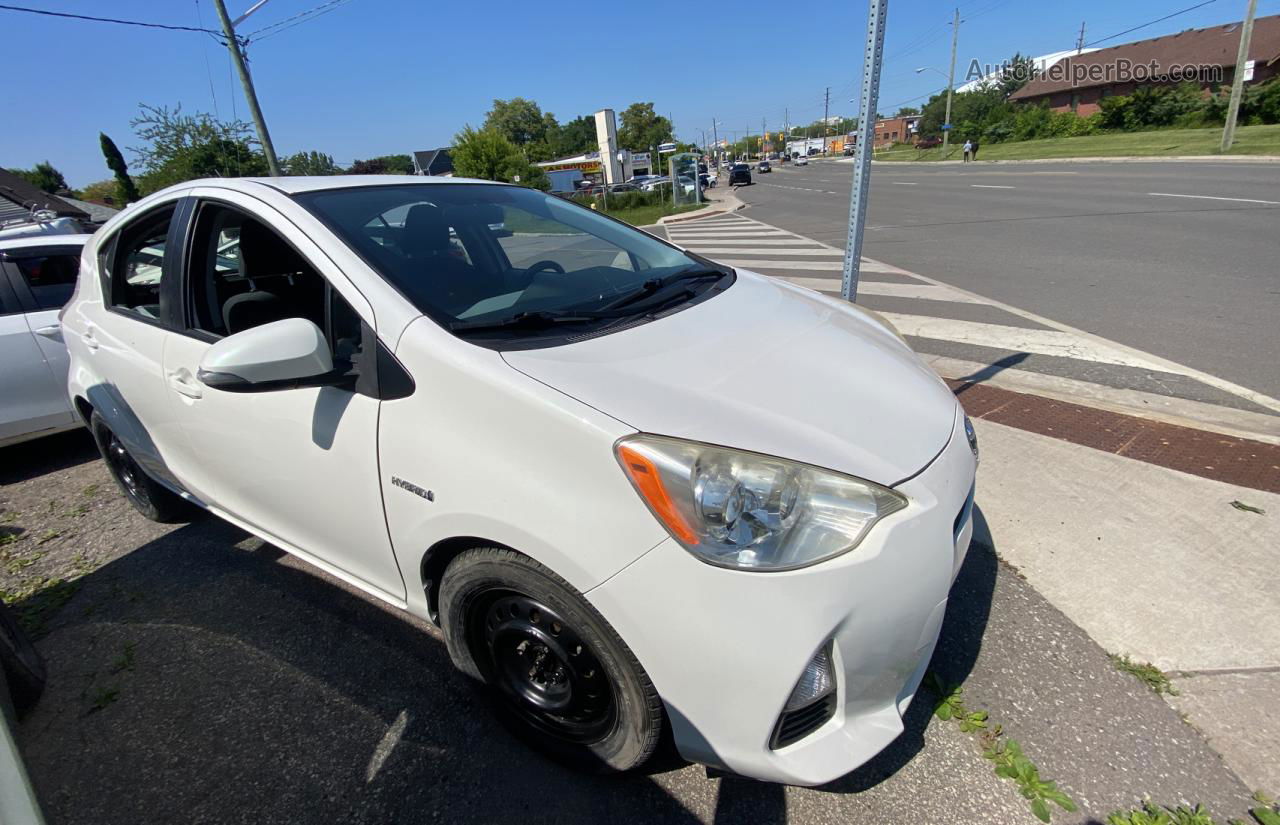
715	138
1080	39
764	135
237	57
826	113
1237	77
786	129
873	57
951	82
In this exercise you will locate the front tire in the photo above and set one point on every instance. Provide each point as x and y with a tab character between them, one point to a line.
153	501
561	678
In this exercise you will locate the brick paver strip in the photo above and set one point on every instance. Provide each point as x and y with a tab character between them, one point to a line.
1239	461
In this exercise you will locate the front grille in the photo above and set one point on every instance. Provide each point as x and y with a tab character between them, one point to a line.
796	725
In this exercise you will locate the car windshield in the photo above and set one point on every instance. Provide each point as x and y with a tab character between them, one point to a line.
480	258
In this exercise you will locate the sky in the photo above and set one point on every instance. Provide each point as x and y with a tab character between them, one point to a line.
373	77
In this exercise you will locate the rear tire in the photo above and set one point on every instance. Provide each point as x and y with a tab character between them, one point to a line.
560	677
21	665
147	497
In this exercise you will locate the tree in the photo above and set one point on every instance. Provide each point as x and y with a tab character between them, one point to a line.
310	163
125	192
576	137
489	155
383	165
180	147
103	191
520	121
1015	73
906	111
43	176
642	128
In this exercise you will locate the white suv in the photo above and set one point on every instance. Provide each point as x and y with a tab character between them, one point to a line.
632	486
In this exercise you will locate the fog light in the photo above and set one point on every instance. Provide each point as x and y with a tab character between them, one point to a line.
818	680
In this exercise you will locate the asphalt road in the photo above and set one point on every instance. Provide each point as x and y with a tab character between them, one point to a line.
199	675
1192	279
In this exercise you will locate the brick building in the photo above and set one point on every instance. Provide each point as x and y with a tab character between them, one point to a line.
1078	82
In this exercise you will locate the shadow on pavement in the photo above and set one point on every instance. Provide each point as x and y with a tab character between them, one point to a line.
207	676
31	459
992	369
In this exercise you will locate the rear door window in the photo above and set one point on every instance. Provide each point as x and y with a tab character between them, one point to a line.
50	275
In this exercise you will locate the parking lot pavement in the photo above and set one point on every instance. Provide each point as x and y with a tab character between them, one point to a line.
198	675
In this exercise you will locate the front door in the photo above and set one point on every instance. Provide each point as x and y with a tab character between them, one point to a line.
299	466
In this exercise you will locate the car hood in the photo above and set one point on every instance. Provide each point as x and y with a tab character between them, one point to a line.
768	367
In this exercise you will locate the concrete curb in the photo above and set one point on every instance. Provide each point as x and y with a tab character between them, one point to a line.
723	205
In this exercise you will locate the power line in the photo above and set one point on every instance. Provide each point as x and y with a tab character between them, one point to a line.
1152	23
300	17
107	20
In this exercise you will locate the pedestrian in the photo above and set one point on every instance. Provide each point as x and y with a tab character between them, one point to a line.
973	150
968	149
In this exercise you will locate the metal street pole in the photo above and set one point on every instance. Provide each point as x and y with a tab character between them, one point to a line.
951	82
1237	77
872	58
826	118
237	57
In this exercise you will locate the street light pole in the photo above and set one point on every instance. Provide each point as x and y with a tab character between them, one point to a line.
874	54
1237	77
237	57
951	82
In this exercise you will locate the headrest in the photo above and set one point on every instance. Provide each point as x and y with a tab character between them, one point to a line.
425	231
251	309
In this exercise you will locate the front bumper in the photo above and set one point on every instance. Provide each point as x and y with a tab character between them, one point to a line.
724	648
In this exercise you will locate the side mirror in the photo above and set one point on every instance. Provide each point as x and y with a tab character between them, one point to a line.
277	356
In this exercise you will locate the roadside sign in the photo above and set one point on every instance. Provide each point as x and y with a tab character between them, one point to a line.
1248	70
665	148
946	126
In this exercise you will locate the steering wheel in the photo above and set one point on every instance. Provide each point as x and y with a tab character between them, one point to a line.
541	265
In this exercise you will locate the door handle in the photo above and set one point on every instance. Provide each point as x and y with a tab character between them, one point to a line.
89	340
51	331
184	386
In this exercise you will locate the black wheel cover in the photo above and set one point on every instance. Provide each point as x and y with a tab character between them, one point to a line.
542	668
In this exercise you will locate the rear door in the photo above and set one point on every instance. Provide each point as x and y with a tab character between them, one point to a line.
43	278
123	338
33	368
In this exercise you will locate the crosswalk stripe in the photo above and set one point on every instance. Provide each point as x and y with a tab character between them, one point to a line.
730	234
1018	339
753	250
825	266
693	242
927	292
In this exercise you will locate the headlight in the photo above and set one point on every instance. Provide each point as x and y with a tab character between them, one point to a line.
749	511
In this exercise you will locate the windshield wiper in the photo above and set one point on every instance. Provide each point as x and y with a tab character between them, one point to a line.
532	320
654	286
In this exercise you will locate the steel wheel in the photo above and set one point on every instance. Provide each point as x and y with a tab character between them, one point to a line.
127	471
550	677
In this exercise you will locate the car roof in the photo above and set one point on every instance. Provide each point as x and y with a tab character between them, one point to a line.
25	241
292	185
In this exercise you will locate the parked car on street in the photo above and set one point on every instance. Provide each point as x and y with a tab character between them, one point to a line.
763	166
740	175
801	160
37	276
552	443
